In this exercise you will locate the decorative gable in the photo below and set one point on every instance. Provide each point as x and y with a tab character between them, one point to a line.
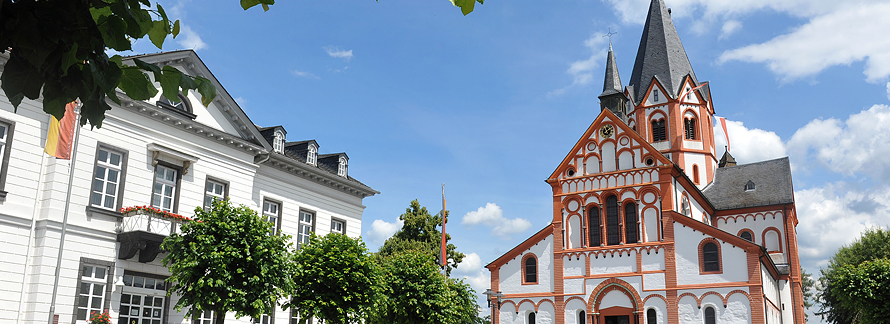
608	145
223	114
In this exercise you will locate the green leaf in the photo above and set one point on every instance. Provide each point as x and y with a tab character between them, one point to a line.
206	89
176	28
68	59
155	70
19	77
170	82
247	4
158	33
136	84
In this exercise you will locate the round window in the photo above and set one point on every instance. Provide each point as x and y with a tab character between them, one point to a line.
650	161
571	172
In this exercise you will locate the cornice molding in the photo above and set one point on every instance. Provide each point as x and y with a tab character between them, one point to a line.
314	174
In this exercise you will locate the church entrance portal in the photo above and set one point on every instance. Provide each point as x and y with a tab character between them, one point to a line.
617	319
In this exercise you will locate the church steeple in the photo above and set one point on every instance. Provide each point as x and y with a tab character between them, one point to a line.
661	55
613	97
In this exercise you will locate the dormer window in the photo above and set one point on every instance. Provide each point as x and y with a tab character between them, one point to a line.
312	155
278	142
749	186
341	167
181	105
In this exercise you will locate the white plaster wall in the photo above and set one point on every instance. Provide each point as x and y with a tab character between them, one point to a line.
653	260
614	263
592	165
572	309
787	305
616	298
574	265
691	159
651	221
573	286
734	260
696	145
510	274
770	286
546	314
653	281
738	310
757	223
625	160
574	232
607	152
659	306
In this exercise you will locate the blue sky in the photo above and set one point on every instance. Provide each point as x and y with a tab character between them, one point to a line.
419	95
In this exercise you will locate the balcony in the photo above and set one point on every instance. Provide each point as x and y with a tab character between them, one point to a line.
143	229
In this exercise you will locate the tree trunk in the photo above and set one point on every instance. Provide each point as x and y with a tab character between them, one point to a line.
220	317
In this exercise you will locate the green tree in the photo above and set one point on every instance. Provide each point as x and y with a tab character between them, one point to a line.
226	260
419	232
865	289
808	286
336	280
57	49
414	291
835	292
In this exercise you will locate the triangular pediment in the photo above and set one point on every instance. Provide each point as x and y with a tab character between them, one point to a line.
222	114
603	149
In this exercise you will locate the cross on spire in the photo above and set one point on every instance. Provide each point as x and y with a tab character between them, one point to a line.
609	35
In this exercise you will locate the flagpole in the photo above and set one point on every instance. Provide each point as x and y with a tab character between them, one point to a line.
31	235
52	305
444	258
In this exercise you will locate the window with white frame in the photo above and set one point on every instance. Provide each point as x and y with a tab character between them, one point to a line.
263	319
92	292
307	226
272	213
164	194
278	142
341	168
5	139
205	317
107	178
312	156
338	226
142	299
213	190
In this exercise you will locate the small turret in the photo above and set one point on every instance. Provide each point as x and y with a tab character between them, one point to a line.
726	160
613	97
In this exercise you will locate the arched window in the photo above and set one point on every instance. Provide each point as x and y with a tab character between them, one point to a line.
613	221
182	104
749	186
312	155
651	317
689	126
631	229
710	257
695	173
594	226
530	265
531	318
684	207
747	236
582	317
710	315
659	133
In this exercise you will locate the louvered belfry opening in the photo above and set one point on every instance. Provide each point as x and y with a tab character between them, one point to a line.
613	221
595	226
689	124
658	131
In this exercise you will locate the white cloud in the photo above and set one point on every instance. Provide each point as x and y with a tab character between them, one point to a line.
303	74
888	90
836	214
729	28
582	71
382	230
471	264
748	145
835	38
492	215
861	144
472	272
188	38
334	51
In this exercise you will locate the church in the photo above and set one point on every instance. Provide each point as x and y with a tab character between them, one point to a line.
649	225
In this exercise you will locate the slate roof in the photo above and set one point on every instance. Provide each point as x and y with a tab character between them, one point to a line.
661	55
612	81
772	180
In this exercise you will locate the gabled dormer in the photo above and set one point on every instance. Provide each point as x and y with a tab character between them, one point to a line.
336	163
304	151
276	136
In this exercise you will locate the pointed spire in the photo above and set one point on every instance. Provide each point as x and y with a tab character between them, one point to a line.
726	160
612	82
661	55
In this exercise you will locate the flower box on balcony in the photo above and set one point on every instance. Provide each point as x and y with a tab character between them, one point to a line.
149	219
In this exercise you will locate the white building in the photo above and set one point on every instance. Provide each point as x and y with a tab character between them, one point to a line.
647	225
174	156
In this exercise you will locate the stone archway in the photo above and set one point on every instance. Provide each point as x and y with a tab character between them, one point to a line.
615	302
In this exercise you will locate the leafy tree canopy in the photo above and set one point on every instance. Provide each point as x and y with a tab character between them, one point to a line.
336	279
845	267
419	232
226	260
57	50
865	289
414	291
